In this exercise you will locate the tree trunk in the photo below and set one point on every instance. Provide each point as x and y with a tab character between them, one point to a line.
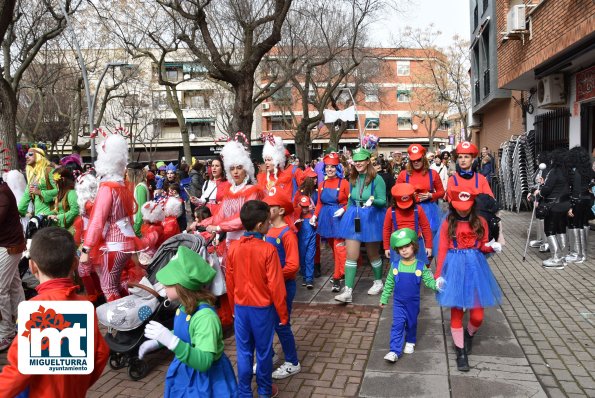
8	129
336	134
302	141
184	133
243	114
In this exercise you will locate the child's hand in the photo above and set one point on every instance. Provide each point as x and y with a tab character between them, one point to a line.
381	305
440	282
156	331
147	347
387	253
428	252
496	247
339	212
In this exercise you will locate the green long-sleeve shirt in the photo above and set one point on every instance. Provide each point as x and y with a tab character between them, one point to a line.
66	218
43	202
389	285
141	195
360	199
206	335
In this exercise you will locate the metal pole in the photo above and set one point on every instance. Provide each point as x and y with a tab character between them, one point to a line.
359	127
529	231
81	62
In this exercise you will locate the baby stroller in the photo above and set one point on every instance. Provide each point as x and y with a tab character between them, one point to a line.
27	279
127	317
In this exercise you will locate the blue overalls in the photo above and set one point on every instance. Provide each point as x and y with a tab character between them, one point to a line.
307	249
431	209
254	329
294	184
328	226
454	178
421	253
284	332
405	307
184	381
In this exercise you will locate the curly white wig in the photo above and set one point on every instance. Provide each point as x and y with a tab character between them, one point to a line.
234	154
112	158
16	182
153	212
86	189
275	152
172	207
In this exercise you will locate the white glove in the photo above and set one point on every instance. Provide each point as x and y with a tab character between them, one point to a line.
440	282
156	331
497	247
147	347
313	221
368	202
339	212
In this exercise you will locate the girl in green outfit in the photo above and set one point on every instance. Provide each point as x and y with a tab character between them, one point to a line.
41	188
66	207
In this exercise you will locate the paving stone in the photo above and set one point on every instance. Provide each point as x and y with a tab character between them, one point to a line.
380	384
480	387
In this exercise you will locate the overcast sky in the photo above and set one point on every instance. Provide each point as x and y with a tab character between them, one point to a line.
449	16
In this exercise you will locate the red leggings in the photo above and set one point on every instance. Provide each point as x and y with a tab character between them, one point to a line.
340	256
456	317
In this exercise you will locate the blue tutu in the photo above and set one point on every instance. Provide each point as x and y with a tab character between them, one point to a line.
469	282
329	226
421	253
433	214
371	222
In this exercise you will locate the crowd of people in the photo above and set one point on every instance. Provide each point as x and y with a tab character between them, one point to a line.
267	222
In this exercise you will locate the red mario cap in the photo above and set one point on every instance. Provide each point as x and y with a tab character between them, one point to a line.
277	197
416	151
403	194
331	159
467	147
460	199
305	201
309	172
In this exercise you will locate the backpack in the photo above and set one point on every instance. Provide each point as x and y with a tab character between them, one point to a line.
487	207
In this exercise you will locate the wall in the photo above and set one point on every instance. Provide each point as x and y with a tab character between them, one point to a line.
502	120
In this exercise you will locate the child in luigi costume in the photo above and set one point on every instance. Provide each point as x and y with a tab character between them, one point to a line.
200	367
404	278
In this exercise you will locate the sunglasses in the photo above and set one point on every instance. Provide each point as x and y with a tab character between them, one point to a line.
29	154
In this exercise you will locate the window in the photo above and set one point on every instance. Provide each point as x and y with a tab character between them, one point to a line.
196	100
350	125
372	123
281	123
193	70
160	100
132	101
282	96
171	74
200	127
403	94
344	96
403	68
485	6
86	132
371	93
311	95
475	17
404	122
444	125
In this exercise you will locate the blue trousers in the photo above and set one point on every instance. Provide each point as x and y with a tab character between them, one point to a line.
284	332
404	323
307	249
254	329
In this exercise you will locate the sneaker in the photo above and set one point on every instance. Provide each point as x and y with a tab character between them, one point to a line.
309	285
391	357
5	343
409	348
303	282
346	296
336	285
286	370
376	288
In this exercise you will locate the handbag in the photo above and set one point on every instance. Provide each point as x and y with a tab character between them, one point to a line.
543	210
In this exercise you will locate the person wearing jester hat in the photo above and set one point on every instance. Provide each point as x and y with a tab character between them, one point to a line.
110	227
334	194
362	222
427	183
41	188
465	178
200	367
463	277
275	174
404	279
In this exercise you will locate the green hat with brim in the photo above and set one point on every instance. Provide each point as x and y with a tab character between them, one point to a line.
402	237
160	164
188	269
361	154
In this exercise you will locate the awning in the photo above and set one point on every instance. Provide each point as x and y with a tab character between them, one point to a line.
166	156
201	120
172	64
193	67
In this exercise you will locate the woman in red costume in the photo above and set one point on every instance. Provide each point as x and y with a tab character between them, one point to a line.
214	188
275	174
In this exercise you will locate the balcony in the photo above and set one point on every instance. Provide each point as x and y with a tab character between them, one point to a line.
486	83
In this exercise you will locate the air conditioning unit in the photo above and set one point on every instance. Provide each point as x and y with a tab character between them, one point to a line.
515	20
473	120
550	91
265	106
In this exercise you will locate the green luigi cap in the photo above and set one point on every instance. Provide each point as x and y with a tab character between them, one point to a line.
160	164
188	269
401	237
361	154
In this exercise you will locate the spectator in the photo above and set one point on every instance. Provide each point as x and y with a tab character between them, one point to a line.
398	163
382	168
486	166
197	181
41	189
441	169
66	207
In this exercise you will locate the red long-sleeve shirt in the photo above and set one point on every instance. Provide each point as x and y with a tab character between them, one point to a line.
12	382
465	237
421	182
254	276
283	181
333	183
292	255
406	219
468	185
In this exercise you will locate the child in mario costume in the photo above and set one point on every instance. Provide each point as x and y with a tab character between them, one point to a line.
256	291
200	367
463	276
285	241
306	240
407	215
404	278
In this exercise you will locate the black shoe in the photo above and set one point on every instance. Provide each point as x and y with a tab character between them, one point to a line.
336	285
462	361
309	285
303	282
468	342
317	271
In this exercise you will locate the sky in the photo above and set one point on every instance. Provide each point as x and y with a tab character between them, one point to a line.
449	16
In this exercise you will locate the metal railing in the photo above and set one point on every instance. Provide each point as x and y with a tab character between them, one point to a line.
552	130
